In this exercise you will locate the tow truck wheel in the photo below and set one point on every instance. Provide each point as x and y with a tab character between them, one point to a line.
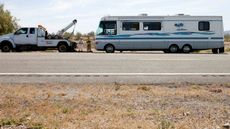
6	47
63	48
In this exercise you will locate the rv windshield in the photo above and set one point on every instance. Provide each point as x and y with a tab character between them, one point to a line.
107	28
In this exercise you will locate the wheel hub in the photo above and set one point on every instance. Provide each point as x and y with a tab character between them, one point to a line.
186	49
109	48
63	48
173	49
6	48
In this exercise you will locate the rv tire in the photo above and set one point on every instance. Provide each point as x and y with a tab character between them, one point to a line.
109	48
173	48
215	51
186	49
221	50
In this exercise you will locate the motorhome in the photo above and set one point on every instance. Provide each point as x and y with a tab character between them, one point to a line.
171	34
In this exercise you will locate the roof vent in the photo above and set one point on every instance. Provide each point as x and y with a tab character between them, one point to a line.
181	14
143	14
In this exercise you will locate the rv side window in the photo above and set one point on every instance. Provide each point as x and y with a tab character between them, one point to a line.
131	26
204	26
152	26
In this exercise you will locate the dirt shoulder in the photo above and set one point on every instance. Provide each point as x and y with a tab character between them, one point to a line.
114	106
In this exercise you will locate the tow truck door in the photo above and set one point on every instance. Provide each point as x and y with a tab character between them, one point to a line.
32	36
21	36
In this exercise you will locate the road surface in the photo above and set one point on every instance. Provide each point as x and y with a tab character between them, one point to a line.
141	68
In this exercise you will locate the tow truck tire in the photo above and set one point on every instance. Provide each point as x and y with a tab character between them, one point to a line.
6	47
63	47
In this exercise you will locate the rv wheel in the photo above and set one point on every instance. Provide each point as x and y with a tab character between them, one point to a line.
186	49
221	50
109	48
215	51
173	48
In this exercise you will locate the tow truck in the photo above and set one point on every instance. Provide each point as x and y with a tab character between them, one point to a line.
37	38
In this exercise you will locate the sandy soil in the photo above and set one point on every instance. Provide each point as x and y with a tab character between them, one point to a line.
169	106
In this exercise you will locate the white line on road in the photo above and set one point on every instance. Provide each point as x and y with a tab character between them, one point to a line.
171	59
114	74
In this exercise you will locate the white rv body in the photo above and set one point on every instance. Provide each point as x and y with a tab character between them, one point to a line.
160	33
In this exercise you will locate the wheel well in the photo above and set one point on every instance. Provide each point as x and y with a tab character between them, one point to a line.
6	42
109	44
187	45
62	42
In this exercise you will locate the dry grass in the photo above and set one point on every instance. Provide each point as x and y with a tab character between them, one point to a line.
170	106
227	38
227	46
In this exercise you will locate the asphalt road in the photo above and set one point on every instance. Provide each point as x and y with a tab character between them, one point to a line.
113	68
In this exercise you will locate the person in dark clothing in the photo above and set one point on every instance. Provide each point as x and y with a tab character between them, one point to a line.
88	42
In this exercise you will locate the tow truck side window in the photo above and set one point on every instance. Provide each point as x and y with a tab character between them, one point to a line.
41	32
21	31
32	30
107	28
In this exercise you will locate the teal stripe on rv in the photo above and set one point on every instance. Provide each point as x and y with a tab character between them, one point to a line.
114	38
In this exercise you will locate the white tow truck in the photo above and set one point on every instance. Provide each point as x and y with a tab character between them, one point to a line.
36	38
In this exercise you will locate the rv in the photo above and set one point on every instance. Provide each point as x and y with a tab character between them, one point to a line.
171	34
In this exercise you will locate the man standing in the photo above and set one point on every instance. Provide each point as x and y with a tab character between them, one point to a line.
80	45
88	42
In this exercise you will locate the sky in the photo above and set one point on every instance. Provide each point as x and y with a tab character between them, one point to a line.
56	14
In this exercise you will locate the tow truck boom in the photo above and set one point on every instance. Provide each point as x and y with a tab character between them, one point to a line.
61	32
